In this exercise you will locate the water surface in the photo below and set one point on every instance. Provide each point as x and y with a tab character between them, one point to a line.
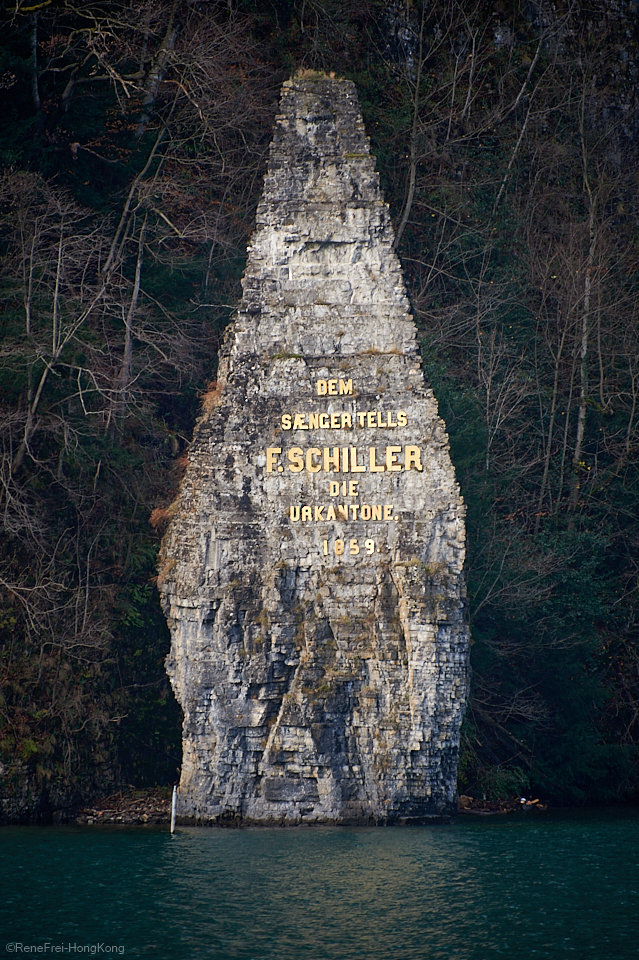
553	885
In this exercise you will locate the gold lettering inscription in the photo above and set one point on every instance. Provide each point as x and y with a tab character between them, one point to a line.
271	458
353	547
391	458
328	460
412	458
349	488
372	419
341	511
296	460
374	467
331	460
311	466
355	466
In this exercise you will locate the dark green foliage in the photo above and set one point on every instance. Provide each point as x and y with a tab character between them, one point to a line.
149	735
123	225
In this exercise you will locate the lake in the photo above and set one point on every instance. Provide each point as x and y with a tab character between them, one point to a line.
542	885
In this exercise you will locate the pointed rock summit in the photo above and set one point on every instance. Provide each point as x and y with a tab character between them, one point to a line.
312	572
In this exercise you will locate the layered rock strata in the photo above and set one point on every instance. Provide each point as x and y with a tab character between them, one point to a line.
312	571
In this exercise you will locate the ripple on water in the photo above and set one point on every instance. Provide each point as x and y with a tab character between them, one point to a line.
543	886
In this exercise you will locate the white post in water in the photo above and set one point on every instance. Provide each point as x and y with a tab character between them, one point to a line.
173	807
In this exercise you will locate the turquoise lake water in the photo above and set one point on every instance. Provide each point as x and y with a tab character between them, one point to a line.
540	885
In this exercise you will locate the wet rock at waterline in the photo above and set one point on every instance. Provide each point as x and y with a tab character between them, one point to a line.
312	570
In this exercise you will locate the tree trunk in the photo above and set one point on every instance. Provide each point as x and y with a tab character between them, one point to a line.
551	427
127	357
157	70
413	138
585	329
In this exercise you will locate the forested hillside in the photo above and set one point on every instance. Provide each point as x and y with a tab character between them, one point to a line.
133	140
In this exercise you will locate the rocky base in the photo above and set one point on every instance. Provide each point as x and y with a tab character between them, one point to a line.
134	808
288	820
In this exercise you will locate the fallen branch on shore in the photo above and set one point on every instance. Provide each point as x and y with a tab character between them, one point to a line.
484	807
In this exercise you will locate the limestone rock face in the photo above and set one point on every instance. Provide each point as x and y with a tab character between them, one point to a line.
312	572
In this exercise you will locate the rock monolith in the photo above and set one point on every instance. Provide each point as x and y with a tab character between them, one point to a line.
312	572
